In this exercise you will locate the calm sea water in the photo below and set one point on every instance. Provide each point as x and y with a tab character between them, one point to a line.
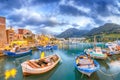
65	70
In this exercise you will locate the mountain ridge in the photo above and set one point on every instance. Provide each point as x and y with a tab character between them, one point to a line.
106	28
72	32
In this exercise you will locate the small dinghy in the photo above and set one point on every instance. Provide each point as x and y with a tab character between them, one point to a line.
97	53
86	65
40	66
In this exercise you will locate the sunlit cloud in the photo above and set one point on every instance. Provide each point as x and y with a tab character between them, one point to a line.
56	16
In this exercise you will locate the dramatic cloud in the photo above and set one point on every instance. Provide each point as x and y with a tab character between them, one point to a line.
44	1
70	10
55	16
25	17
8	5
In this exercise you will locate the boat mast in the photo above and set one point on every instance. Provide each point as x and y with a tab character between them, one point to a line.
94	41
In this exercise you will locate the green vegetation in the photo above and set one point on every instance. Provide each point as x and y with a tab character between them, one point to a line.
112	35
105	37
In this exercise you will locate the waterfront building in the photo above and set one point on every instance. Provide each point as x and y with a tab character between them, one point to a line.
3	38
10	35
18	37
76	40
26	33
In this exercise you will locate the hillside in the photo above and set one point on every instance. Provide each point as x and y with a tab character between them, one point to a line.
72	32
106	28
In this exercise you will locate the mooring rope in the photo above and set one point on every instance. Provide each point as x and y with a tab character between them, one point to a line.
108	74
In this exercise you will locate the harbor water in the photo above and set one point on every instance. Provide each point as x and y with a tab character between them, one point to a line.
65	70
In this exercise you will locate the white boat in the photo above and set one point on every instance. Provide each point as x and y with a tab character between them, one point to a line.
36	67
96	53
114	47
109	44
114	50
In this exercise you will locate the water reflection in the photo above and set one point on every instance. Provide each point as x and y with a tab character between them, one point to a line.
80	76
45	76
7	64
65	70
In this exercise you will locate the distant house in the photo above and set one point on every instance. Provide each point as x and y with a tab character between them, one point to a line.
61	39
76	39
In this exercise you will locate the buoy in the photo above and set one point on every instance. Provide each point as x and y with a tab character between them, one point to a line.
42	55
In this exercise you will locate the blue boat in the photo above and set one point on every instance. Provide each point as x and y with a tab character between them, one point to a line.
17	54
48	47
54	47
85	65
40	48
44	48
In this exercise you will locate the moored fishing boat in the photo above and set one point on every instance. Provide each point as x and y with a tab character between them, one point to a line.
86	65
106	51
41	48
115	49
112	48
54	47
40	66
96	53
109	44
48	47
21	52
118	47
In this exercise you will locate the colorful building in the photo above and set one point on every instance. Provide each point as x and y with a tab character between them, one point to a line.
10	35
26	33
18	37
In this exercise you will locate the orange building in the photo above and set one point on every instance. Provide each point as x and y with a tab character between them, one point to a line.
10	35
26	33
18	37
3	38
13	36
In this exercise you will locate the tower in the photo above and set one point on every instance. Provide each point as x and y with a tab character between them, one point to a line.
3	38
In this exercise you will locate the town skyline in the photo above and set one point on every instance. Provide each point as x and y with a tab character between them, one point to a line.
7	36
55	16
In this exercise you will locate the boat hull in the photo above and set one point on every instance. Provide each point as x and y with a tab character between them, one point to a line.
114	52
95	56
98	57
27	70
12	54
88	71
54	47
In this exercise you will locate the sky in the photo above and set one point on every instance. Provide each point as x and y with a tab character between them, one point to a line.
55	16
